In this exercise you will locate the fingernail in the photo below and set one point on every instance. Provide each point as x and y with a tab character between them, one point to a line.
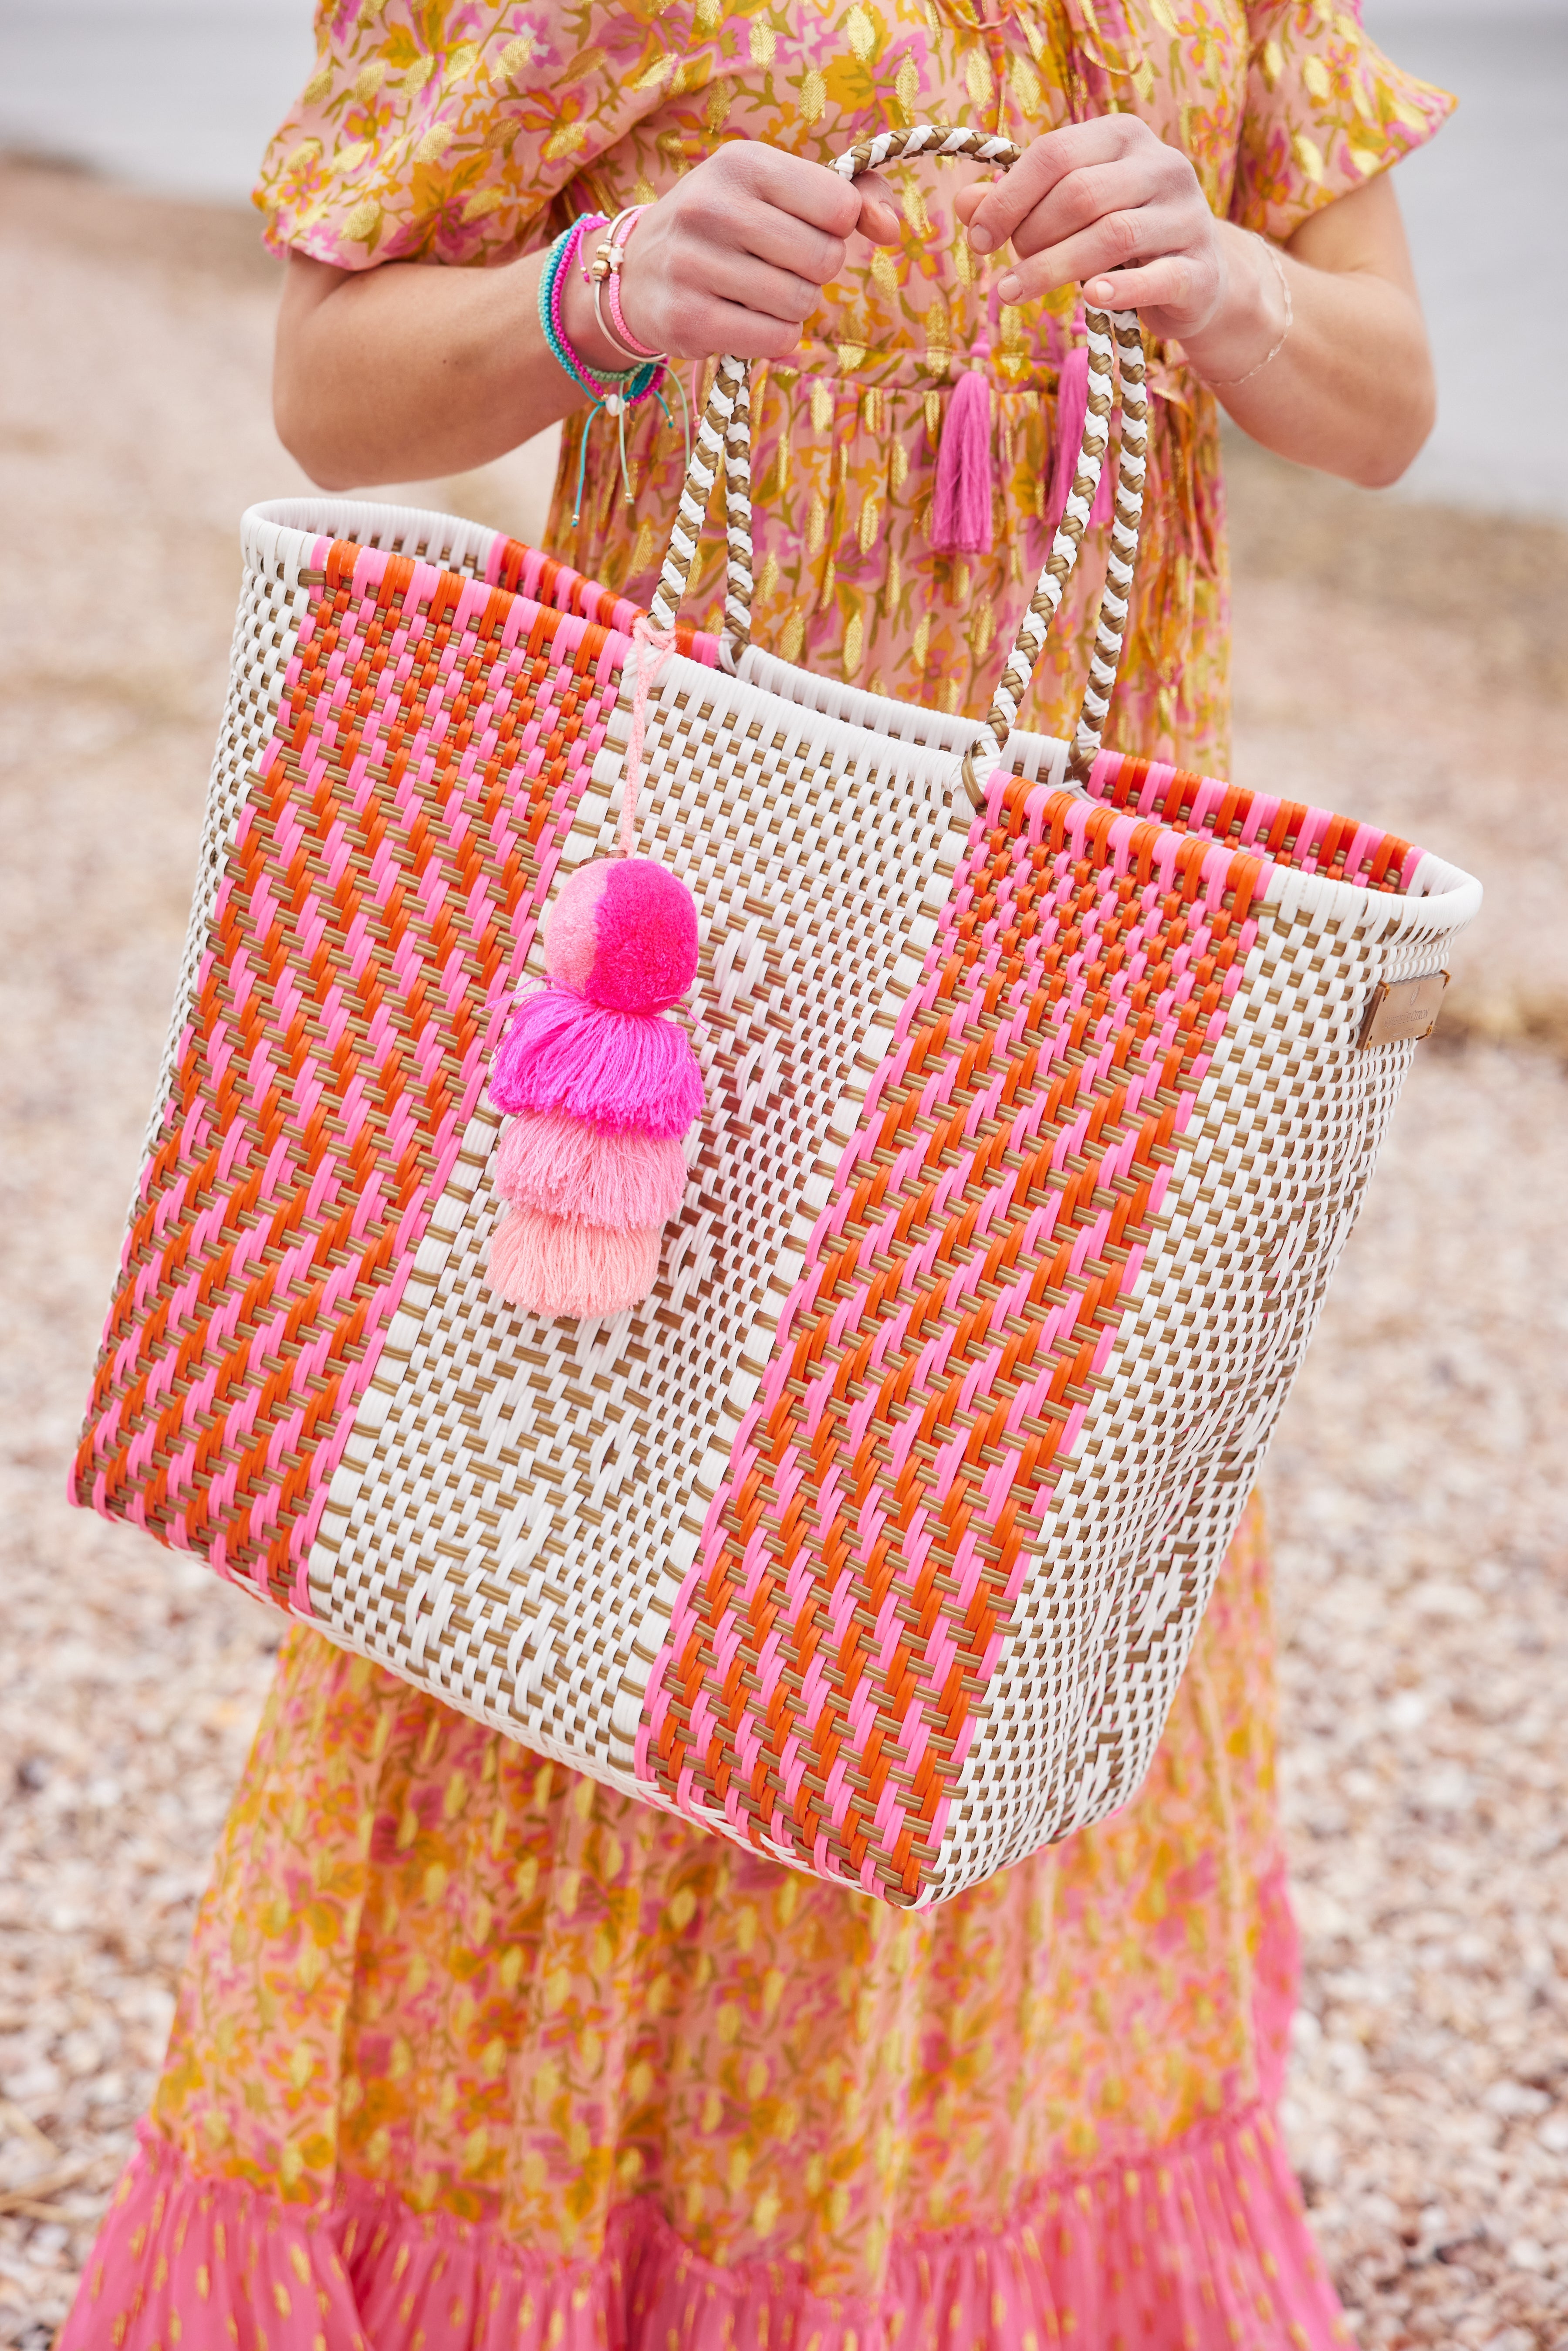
1010	288
981	240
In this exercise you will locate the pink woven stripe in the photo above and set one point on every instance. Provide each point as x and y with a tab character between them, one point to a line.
1087	941
339	1008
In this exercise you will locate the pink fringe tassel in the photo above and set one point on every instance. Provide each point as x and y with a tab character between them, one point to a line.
561	1265
1072	411
966	475
1200	2245
633	1072
554	1162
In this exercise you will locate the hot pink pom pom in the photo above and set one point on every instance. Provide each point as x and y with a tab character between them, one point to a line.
555	1163
601	1089
561	1265
623	932
633	1073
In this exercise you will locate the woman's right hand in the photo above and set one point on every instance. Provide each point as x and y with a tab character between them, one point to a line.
735	257
403	372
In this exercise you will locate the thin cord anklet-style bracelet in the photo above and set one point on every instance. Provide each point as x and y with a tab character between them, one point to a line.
604	273
605	278
1228	383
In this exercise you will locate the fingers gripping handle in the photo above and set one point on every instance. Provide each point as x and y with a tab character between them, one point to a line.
724	439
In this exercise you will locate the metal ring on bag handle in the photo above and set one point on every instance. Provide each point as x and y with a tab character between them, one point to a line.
725	436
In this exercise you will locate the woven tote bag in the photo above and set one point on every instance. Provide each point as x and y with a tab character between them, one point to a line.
1043	1083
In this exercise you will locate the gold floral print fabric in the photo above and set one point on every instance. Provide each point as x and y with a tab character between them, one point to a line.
431	1962
469	130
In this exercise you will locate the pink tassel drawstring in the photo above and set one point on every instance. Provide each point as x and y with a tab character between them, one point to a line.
1072	411
961	507
962	501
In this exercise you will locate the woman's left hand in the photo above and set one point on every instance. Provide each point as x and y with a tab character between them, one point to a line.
1101	197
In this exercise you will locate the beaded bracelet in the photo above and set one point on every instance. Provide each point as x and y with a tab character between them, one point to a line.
605	278
609	390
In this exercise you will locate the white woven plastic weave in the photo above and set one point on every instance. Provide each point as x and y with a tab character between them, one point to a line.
1039	1107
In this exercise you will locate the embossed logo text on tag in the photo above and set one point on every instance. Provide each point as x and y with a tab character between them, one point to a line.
1402	1009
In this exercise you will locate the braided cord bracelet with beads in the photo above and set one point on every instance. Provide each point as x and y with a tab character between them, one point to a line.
605	278
610	389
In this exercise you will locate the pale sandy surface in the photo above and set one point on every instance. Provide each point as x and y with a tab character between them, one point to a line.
1417	1484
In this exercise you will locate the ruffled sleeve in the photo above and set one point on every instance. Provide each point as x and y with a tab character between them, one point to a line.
1325	110
443	131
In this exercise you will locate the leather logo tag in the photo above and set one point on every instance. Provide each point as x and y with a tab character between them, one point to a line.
1404	1008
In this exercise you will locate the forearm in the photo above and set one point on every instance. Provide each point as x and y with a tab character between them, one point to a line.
1345	384
1349	388
407	370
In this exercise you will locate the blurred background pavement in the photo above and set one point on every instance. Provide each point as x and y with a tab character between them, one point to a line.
1403	656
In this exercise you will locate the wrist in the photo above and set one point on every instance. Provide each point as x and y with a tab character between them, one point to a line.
583	331
1251	319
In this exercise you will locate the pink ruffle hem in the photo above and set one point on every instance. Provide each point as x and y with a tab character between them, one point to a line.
1202	2246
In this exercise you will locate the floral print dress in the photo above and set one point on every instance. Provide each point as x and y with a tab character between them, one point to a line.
474	2054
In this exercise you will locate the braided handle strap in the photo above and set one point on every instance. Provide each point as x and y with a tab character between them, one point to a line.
723	437
1117	331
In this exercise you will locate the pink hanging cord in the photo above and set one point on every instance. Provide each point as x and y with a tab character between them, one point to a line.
1072	410
966	454
645	640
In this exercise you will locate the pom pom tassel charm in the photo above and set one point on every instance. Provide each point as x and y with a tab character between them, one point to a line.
602	1088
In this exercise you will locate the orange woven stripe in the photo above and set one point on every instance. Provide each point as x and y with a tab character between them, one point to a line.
814	1526
240	1315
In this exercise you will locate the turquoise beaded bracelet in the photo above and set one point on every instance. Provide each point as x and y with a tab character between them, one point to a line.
613	393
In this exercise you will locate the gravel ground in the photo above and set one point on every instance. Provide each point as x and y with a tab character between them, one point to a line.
1387	656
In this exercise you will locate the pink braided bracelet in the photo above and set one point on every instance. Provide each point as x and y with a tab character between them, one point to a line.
605	275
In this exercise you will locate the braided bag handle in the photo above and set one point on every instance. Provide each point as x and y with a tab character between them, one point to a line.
724	436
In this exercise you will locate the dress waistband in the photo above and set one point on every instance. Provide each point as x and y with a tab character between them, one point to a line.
911	370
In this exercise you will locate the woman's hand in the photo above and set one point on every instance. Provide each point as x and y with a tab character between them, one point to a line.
1104	196
1319	351
735	257
404	371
